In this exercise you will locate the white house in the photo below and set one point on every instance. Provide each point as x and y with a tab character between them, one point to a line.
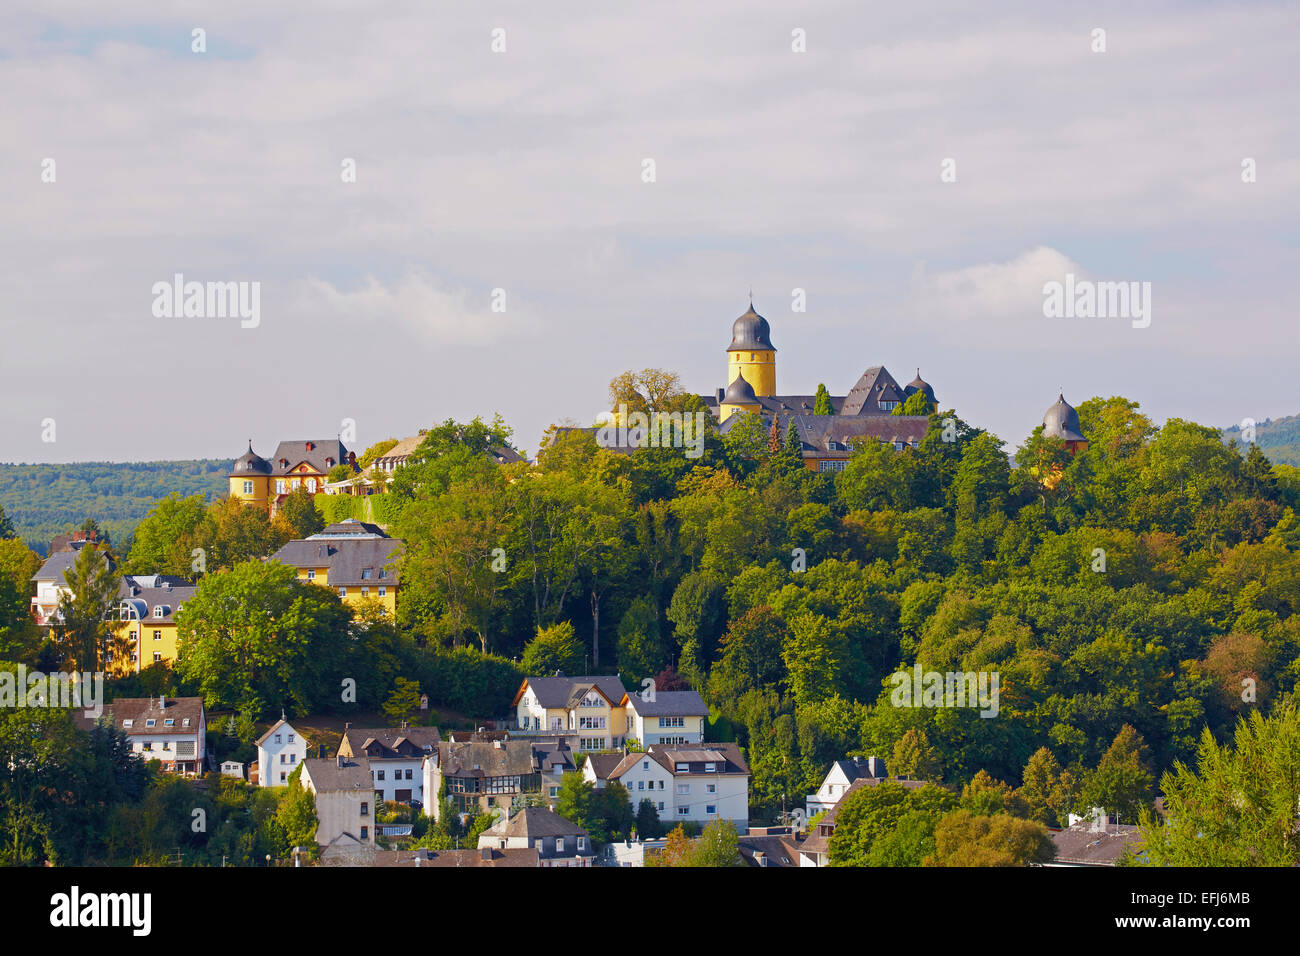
696	785
396	756
839	778
345	815
169	730
279	752
51	585
558	841
674	717
586	711
232	768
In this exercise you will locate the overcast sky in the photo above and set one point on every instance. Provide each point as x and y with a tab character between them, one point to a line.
523	171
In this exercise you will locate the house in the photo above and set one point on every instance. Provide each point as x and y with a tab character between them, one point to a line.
669	717
279	752
1094	844
171	730
355	558
344	806
695	785
629	852
396	756
587	711
232	768
51	584
486	857
770	847
146	631
837	781
558	842
815	849
265	483
478	776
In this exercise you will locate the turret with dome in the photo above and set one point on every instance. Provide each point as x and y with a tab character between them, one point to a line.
1062	421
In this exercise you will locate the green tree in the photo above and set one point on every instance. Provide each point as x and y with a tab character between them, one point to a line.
83	633
822	402
298	512
915	757
554	648
963	838
718	845
160	543
403	701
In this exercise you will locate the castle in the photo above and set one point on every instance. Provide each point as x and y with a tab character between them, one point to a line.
295	464
866	412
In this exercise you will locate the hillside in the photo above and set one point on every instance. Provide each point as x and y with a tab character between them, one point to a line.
1279	438
44	500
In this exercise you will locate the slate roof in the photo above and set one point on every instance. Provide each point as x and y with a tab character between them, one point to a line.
602	765
777	851
327	776
875	385
140	710
389	743
818	432
1062	421
562	692
668	703
783	405
669	756
486	759
315	452
751	331
52	568
538	822
523	857
143	594
345	558
1083	846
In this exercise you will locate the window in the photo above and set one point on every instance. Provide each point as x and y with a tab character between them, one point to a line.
185	721
582	844
899	445
640	784
383	592
834	465
710	809
128	722
408	774
293	758
169	722
157	635
365	592
683	811
591	723
277	738
150	722
555	792
366	573
365	833
295	484
291	738
661	784
365	809
683	788
683	768
284	777
248	487
710	768
710	788
311	485
311	574
645	764
284	758
661	806
886	406
559	844
672	721
343	592
279	486
158	612
380	774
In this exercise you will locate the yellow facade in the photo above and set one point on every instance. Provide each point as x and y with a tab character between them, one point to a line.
355	594
251	489
148	641
758	366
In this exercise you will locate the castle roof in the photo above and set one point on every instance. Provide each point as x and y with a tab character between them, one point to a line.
1062	421
876	385
250	463
751	332
739	392
919	384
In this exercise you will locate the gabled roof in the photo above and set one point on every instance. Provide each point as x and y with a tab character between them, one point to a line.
696	758
390	743
533	823
829	436
487	759
1084	846
272	729
328	776
345	558
602	765
316	453
140	710
558	692
142	595
52	568
875	385
668	703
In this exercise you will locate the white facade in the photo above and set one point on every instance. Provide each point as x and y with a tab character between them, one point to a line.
279	752
401	779
671	731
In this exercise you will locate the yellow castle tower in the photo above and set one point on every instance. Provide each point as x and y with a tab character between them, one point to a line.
250	478
751	365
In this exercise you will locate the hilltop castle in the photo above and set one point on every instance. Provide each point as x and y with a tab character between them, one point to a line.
867	411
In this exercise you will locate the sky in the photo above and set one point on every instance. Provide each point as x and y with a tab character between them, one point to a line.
516	178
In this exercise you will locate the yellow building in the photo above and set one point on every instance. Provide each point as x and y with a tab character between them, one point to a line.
751	365
355	558
145	627
296	464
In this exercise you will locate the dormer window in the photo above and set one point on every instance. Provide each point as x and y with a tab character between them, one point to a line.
150	722
160	610
169	722
129	722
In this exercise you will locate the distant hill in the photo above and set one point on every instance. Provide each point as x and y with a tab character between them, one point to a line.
45	500
1279	438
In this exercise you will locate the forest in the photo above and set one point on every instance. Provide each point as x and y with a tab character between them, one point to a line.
1132	597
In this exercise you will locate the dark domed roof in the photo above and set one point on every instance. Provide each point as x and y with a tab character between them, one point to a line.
739	392
1062	421
251	463
919	384
751	331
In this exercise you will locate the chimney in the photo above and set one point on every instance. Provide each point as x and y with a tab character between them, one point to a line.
320	751
721	392
162	702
